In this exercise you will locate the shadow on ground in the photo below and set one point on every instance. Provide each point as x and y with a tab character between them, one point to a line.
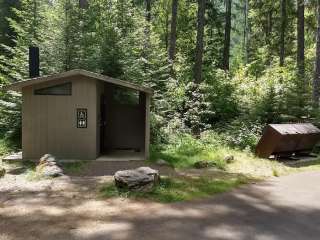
285	208
108	168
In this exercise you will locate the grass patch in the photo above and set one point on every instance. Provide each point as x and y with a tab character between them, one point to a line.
246	163
73	167
186	151
178	189
68	168
4	147
30	172
25	168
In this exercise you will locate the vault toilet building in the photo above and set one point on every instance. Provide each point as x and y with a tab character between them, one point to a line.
83	115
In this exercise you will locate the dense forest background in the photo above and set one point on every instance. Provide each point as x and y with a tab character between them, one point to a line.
227	66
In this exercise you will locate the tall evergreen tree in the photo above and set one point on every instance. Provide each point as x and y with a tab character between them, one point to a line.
227	33
7	34
173	32
316	79
246	31
300	39
200	41
283	30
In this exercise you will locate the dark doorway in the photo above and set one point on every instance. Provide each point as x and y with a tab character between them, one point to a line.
122	125
102	123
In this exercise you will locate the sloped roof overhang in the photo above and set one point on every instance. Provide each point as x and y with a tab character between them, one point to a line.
17	86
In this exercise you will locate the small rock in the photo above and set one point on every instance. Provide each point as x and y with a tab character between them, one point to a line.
47	167
162	162
47	158
142	179
201	164
2	172
229	158
51	171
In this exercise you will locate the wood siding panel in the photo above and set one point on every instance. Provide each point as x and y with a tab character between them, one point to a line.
49	122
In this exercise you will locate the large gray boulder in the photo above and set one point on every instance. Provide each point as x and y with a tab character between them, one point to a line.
142	179
48	167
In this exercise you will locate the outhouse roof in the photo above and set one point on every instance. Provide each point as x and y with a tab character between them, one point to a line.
17	86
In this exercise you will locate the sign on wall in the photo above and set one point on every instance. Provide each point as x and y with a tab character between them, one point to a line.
82	118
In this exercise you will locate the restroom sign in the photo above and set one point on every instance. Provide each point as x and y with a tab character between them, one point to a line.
82	118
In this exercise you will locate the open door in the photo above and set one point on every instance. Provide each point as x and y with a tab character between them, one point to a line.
122	120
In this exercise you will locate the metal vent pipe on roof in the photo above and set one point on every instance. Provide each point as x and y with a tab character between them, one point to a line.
34	62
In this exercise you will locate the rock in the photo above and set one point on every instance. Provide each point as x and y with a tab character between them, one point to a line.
48	167
47	158
229	158
162	162
142	179
201	164
2	172
52	171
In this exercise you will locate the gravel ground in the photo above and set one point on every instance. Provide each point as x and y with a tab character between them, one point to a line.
285	208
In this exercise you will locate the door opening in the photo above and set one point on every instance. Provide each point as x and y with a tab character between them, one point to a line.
122	124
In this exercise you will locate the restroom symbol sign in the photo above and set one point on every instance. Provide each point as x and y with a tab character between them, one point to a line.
82	118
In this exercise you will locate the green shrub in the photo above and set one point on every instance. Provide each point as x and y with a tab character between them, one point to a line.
4	147
184	150
188	146
241	135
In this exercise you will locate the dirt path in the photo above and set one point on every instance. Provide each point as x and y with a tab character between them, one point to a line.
285	208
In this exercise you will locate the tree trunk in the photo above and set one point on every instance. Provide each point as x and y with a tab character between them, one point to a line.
246	32
300	38
316	80
83	4
268	29
148	11
199	53
227	33
34	21
283	29
145	51
166	35
67	60
148	23
199	45
173	32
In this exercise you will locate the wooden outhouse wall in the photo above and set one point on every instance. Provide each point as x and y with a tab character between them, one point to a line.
49	123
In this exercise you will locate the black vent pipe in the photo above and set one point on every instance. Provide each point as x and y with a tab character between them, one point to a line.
34	62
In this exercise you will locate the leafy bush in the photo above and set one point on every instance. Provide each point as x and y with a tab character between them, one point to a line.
183	150
10	121
158	134
187	145
242	135
4	147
